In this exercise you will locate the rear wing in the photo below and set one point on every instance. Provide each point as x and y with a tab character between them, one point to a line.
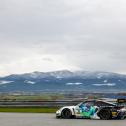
121	101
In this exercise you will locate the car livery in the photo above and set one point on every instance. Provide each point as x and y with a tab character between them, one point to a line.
95	109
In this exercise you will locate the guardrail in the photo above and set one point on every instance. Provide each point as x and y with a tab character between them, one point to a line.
38	103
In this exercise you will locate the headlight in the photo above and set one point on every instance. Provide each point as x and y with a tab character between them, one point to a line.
58	112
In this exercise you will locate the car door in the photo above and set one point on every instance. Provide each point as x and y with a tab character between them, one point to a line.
84	109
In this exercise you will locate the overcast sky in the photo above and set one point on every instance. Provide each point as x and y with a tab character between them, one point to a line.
47	35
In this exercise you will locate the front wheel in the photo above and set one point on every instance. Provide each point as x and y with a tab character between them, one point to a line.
66	114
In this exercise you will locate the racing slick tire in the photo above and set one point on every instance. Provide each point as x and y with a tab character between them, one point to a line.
105	114
66	113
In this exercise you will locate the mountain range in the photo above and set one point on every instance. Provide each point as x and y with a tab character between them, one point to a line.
64	80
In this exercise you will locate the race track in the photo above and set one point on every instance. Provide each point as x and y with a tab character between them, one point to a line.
29	119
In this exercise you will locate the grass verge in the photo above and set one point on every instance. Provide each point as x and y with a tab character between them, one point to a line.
28	109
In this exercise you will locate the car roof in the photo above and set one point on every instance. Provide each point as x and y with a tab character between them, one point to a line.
110	102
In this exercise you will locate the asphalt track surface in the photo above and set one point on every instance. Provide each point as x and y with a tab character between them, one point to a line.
29	119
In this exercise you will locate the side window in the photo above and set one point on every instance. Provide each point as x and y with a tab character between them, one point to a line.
100	103
90	103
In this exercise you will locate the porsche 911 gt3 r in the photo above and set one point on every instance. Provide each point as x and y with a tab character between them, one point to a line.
94	109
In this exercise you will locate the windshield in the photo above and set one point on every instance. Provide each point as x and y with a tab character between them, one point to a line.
88	103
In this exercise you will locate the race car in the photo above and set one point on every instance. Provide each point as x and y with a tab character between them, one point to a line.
95	109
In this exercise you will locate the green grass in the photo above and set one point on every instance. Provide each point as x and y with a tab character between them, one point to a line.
28	109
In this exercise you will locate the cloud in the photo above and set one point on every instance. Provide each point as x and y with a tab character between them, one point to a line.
37	62
87	35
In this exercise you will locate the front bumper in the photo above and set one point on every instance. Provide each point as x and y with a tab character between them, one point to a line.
58	114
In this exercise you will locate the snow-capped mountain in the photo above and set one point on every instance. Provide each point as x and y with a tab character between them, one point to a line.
64	81
65	74
41	75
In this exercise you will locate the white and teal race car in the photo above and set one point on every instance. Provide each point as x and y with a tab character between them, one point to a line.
95	109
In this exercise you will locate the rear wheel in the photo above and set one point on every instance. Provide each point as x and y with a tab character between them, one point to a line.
66	114
105	114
